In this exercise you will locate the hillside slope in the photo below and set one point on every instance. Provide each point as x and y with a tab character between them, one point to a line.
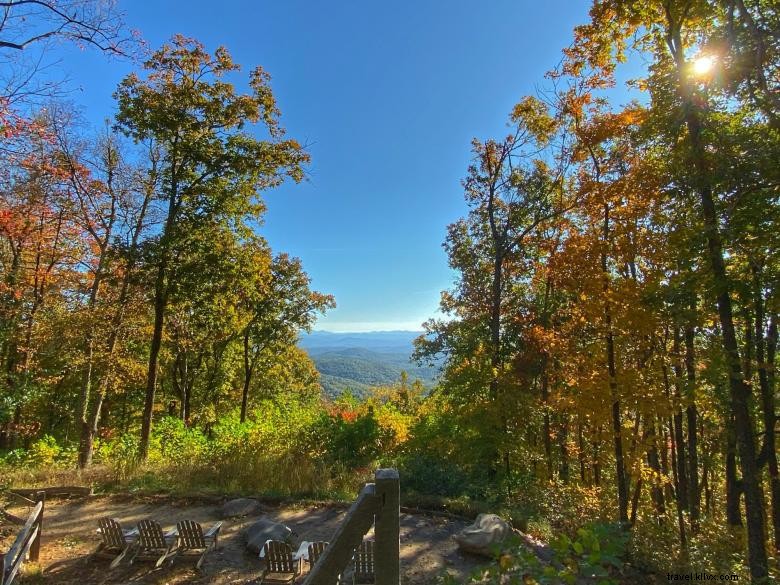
358	361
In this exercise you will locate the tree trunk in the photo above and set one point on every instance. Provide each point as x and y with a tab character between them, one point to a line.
546	421
88	440
635	500
692	416
596	463
85	457
247	376
764	366
656	491
154	353
563	439
581	449
160	303
676	479
733	486
617	425
665	442
679	440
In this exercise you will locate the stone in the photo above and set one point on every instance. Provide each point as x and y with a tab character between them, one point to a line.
239	507
264	529
482	537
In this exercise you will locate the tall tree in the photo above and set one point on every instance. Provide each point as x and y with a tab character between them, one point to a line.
284	306
212	168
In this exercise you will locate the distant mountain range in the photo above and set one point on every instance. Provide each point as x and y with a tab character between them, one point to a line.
358	361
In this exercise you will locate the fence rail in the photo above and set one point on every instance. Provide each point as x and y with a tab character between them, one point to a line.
27	543
377	505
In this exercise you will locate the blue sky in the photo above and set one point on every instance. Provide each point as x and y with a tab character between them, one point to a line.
388	96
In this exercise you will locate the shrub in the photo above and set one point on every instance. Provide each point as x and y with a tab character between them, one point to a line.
44	452
429	474
596	554
177	445
352	439
121	456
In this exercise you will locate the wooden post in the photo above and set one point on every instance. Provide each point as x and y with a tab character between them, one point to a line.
35	547
387	548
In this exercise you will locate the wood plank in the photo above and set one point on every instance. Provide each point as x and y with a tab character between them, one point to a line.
23	538
20	499
16	563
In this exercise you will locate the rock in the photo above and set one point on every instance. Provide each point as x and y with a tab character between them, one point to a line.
484	535
257	533
240	507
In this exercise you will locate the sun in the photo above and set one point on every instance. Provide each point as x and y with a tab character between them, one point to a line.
703	65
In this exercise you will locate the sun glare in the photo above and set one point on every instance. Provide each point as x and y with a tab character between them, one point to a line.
703	65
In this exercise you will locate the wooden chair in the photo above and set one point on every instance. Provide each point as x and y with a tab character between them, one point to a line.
315	551
116	542
364	571
154	543
192	537
280	565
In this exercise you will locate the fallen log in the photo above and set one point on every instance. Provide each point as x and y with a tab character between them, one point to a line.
68	490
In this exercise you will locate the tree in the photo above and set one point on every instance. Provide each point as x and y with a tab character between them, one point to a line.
41	247
28	24
212	168
683	117
511	191
279	310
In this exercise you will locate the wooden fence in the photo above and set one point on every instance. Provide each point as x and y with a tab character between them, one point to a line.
27	543
377	505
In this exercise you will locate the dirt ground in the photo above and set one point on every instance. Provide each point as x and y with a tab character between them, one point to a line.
69	538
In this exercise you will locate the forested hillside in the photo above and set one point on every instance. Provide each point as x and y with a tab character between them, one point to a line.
603	370
357	362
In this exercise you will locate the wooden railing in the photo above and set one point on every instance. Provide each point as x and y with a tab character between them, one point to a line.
27	543
377	505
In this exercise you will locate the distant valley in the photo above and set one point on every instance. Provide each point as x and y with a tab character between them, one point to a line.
358	361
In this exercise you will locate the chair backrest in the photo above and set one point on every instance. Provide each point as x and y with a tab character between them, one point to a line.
191	534
151	535
279	557
315	551
364	563
111	533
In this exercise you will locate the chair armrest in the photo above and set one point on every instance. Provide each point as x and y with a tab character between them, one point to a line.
302	552
213	530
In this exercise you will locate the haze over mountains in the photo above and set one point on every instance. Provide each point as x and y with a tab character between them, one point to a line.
358	361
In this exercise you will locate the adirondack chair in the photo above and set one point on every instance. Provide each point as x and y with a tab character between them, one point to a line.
364	571
315	551
153	543
192	537
280	564
115	541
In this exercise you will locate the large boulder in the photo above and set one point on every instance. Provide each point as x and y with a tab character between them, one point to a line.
240	507
482	537
257	533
